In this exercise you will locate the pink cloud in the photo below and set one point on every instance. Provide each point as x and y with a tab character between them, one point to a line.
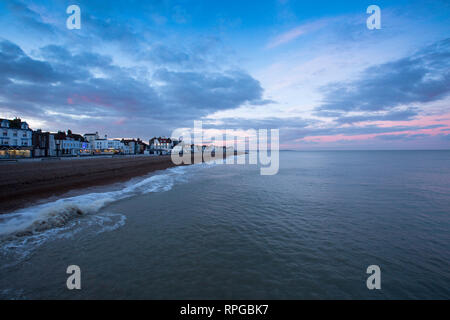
120	121
423	121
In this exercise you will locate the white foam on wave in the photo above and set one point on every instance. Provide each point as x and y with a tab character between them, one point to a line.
25	230
58	213
16	249
21	232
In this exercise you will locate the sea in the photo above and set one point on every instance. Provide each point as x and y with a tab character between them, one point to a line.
217	231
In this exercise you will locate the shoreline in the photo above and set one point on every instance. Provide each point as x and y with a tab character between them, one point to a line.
24	184
27	183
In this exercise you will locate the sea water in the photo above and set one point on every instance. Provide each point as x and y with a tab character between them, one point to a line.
212	231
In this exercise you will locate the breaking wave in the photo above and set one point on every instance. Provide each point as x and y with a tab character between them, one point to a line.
26	229
58	213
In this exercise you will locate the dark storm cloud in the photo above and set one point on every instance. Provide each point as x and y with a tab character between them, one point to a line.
422	77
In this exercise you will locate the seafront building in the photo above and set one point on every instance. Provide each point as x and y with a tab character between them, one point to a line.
91	137
162	145
141	146
43	144
69	144
15	139
104	146
131	146
107	146
128	148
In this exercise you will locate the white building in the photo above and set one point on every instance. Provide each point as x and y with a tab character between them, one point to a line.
71	147
91	137
160	145
107	146
104	145
69	144
15	139
129	146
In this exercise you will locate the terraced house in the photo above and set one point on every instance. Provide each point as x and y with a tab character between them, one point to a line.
69	144
161	145
15	139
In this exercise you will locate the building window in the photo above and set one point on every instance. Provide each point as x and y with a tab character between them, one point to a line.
15	134
5	133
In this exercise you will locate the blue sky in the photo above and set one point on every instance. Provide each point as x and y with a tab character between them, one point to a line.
309	68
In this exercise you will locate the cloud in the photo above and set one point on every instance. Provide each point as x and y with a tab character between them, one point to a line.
163	55
286	37
15	64
207	91
296	128
126	74
391	137
420	78
89	86
294	33
361	130
400	115
29	19
266	123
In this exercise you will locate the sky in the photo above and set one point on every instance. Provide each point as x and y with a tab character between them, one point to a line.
311	69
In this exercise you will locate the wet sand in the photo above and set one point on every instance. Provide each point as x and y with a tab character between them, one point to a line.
26	182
